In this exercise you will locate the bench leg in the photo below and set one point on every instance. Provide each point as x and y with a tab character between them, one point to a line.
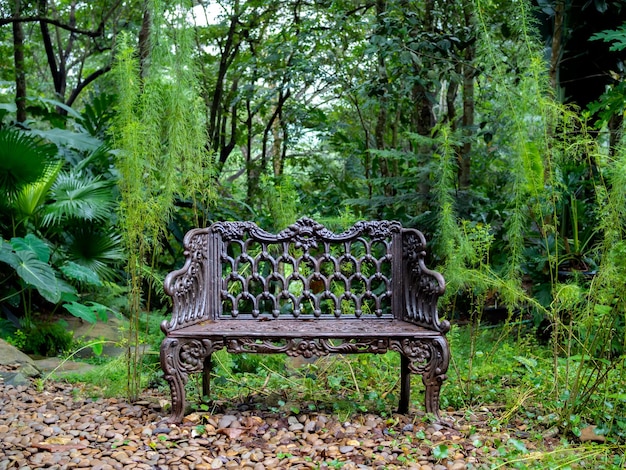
436	374
206	378
428	357
405	385
175	377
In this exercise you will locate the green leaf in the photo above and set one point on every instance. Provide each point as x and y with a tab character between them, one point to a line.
618	396
32	197
34	244
602	309
529	362
616	36
101	311
71	111
7	255
81	274
37	274
78	196
97	348
519	445
62	137
440	452
23	160
82	311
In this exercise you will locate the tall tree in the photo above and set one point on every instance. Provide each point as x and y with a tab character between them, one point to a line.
77	40
20	71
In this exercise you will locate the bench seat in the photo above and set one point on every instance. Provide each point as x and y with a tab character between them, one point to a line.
302	328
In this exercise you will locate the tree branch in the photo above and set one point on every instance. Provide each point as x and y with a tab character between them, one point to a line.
31	19
81	86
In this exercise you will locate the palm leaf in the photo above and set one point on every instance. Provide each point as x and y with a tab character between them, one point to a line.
79	196
98	251
23	160
32	196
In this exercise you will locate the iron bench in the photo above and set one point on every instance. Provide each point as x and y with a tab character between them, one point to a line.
305	291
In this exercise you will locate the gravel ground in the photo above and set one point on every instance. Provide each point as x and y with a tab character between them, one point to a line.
61	428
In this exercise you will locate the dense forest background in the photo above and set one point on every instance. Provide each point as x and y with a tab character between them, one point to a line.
494	127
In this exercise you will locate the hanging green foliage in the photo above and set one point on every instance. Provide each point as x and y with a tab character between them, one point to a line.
158	130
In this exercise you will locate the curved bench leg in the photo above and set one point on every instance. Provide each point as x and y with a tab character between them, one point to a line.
176	378
181	357
428	357
435	373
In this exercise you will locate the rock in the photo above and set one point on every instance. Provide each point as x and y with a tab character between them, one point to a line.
161	430
61	367
552	432
15	360
458	465
588	434
226	421
13	379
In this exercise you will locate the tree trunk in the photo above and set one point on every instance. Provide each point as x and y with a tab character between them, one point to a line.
557	43
144	40
381	120
468	105
468	119
20	72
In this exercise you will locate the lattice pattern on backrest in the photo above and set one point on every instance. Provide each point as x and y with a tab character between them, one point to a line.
307	270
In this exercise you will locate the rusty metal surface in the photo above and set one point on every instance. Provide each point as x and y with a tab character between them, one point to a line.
305	291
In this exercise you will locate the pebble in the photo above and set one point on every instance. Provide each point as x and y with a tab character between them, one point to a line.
59	429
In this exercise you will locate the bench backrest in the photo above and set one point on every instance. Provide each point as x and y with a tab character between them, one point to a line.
236	269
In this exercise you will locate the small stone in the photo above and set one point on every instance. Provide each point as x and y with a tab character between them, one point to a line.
51	419
552	432
588	434
458	465
217	463
346	449
226	421
162	430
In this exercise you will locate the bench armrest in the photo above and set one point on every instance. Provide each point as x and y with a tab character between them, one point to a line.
187	285
422	286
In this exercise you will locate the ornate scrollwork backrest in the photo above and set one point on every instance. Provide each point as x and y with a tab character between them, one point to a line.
186	285
306	270
422	286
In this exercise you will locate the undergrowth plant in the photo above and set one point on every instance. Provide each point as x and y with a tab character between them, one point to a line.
159	133
559	174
